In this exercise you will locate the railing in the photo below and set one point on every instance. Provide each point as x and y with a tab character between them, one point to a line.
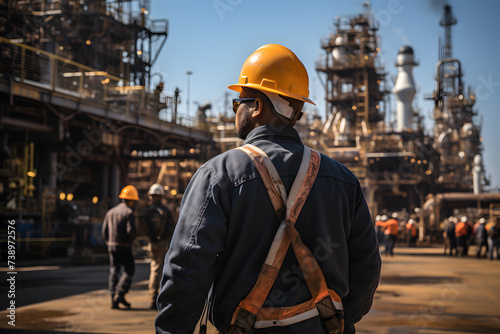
159	26
352	62
28	65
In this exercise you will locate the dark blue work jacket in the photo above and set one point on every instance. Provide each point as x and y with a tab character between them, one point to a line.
227	224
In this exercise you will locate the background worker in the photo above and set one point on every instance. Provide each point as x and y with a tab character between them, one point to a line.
391	233
160	225
118	230
411	232
463	232
481	236
227	221
379	229
450	237
494	238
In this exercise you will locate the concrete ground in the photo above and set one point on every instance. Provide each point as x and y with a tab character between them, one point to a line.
421	291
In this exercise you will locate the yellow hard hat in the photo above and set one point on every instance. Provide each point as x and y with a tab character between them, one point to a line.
129	193
274	68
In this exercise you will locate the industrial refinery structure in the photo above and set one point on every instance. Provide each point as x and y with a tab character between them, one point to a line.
402	168
82	114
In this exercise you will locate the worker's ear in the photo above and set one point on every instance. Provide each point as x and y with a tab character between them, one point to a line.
258	107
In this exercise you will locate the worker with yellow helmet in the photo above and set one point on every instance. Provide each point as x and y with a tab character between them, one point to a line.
245	210
118	230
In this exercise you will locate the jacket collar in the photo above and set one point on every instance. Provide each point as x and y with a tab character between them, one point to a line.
268	132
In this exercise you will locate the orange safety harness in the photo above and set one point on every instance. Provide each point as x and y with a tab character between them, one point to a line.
325	302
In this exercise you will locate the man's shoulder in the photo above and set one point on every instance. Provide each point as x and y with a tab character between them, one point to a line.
155	208
232	163
123	208
235	164
113	209
118	211
221	158
332	168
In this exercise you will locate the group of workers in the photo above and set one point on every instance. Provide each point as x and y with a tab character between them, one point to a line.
389	229
460	234
119	232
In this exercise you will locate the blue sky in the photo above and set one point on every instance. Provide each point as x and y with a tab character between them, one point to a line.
212	39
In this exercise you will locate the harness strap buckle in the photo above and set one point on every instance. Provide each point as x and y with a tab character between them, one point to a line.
332	318
243	322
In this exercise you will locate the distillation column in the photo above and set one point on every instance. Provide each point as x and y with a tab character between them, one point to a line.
404	89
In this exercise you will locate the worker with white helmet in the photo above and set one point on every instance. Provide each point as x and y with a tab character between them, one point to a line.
411	232
391	230
463	232
160	224
380	231
481	237
118	230
246	209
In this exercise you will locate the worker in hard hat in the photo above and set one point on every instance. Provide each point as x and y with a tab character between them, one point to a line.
379	230
481	236
160	224
391	232
411	232
259	222
493	229
118	230
449	236
463	232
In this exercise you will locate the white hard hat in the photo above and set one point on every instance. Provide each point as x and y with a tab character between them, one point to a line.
411	221
482	220
463	219
384	217
156	189
395	215
377	218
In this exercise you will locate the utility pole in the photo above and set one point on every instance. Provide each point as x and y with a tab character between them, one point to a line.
176	101
226	94
188	73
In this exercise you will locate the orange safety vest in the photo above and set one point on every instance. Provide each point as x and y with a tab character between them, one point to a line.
461	230
411	228
325	302
391	226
